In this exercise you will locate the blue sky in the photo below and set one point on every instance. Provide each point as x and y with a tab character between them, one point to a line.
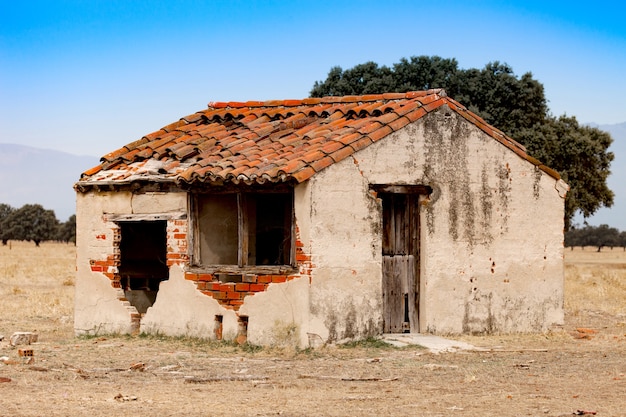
87	77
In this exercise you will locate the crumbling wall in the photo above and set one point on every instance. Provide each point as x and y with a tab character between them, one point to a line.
100	303
190	302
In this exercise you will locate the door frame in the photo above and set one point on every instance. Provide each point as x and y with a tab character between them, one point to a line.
401	265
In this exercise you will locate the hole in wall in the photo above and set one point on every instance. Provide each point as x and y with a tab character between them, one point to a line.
242	332
219	326
230	277
143	251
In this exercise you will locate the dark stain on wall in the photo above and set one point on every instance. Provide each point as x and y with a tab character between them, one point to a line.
331	324
375	220
486	204
478	317
537	183
351	329
470	211
346	320
504	192
432	198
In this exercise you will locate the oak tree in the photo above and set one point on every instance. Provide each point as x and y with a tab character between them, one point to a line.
515	105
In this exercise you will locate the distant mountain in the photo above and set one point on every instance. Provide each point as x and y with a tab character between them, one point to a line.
41	176
616	215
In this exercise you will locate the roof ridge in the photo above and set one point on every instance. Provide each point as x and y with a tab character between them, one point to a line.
280	140
311	101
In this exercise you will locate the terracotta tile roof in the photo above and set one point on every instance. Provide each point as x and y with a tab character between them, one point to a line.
275	141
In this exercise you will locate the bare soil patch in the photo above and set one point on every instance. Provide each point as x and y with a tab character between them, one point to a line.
579	368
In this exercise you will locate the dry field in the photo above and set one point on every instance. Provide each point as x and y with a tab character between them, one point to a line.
566	372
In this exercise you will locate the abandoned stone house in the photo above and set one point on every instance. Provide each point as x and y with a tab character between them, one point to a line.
321	220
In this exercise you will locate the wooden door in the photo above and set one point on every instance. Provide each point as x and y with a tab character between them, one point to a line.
400	262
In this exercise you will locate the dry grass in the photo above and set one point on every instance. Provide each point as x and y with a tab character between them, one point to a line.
595	281
554	374
34	288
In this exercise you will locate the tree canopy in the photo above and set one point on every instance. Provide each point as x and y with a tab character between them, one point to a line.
597	236
515	105
34	223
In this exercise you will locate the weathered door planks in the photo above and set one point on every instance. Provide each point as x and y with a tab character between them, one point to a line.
400	262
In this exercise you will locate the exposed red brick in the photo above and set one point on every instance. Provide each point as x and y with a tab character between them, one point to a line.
264	279
301	257
218	295
279	278
233	295
191	276
242	286
235	303
258	287
205	277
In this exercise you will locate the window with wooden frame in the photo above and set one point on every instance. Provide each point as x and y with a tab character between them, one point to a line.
238	231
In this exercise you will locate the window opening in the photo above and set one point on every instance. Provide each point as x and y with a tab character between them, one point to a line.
218	224
143	250
272	229
245	229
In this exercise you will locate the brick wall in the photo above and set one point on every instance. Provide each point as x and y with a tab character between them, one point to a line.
110	266
177	251
232	294
229	294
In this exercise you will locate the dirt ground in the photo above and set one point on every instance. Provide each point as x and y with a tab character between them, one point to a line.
578	369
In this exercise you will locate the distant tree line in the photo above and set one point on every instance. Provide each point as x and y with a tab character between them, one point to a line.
596	236
34	223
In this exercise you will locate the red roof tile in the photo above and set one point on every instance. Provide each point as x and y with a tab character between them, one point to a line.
279	140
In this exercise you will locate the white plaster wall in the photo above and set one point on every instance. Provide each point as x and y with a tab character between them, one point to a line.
493	239
277	316
346	292
491	234
181	310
